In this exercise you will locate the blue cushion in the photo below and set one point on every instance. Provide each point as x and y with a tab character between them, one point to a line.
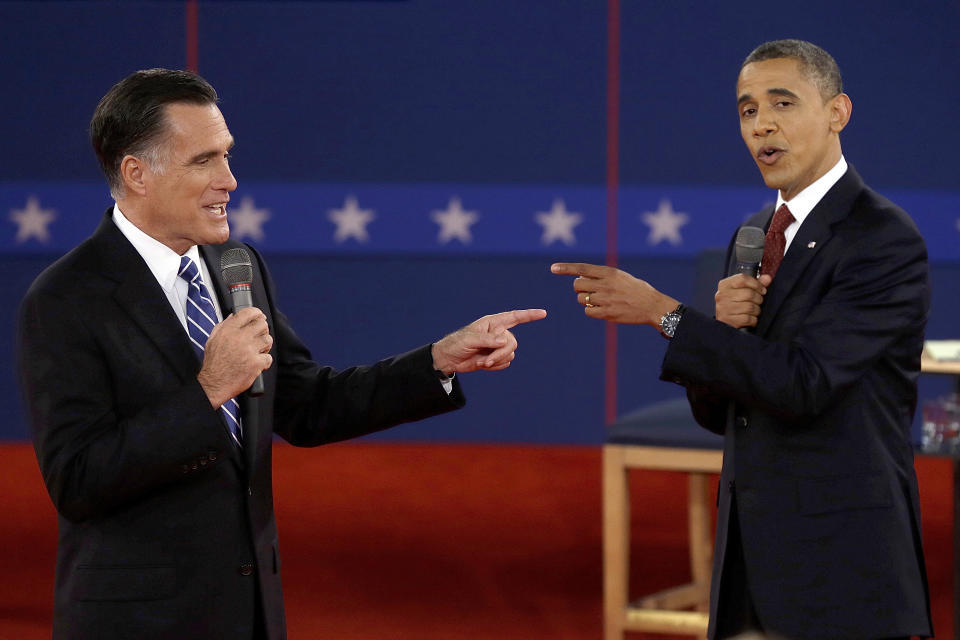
663	424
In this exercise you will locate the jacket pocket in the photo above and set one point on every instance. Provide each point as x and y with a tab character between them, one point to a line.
844	493
125	583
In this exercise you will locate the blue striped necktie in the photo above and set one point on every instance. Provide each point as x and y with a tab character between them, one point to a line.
201	318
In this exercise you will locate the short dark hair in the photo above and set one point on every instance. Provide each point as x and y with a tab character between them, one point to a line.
816	63
130	118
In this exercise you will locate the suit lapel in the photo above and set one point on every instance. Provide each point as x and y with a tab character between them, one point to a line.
211	255
139	294
811	239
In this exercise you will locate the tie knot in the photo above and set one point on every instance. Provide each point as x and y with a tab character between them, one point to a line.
781	220
188	269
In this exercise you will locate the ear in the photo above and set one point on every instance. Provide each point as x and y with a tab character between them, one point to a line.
840	109
132	172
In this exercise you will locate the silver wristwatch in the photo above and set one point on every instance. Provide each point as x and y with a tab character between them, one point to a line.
669	322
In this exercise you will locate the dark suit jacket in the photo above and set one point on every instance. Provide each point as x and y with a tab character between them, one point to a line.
816	405
166	528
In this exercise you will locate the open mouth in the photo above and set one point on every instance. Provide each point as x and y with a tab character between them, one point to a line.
769	155
219	209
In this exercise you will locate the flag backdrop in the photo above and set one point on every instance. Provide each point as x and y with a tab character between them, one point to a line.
408	165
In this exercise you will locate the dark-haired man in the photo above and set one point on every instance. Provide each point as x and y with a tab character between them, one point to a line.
134	374
818	529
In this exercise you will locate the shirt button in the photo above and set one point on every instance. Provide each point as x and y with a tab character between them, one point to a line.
246	569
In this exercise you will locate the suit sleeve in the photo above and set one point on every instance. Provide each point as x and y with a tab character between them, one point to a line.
710	408
317	404
866	316
96	452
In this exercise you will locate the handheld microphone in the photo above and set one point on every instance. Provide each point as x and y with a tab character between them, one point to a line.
237	271
749	250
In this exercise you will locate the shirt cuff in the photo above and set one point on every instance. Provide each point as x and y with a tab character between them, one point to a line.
447	382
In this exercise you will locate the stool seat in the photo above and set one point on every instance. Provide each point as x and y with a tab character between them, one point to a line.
660	436
663	424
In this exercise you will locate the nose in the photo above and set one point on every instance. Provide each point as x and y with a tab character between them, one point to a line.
764	124
225	181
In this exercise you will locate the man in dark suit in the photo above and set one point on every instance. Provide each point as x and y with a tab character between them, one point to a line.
133	383
810	373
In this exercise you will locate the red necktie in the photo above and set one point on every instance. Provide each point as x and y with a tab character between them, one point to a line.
776	242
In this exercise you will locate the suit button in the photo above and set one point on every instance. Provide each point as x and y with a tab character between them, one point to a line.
742	421
185	468
212	455
246	569
194	465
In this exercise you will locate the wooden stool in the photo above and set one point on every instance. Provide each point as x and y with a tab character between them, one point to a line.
662	436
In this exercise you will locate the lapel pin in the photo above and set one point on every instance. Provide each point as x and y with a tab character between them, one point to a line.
811	245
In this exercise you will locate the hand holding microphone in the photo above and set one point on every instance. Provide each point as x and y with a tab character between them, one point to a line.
238	348
740	296
237	272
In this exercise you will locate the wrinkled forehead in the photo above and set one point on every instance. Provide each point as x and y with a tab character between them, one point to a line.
776	75
192	125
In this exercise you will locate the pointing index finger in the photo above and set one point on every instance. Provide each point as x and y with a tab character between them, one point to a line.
577	269
508	319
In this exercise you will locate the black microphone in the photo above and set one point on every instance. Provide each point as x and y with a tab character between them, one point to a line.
749	250
237	271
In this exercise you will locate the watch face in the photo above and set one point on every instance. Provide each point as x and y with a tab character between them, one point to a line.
669	322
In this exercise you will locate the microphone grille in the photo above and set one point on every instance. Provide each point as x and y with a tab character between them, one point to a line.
235	267
749	244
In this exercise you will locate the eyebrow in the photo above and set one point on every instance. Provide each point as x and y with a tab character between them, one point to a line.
782	92
209	154
776	91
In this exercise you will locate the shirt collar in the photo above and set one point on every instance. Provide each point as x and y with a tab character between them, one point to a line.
803	203
162	261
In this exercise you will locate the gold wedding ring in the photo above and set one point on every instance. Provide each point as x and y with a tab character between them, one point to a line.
586	300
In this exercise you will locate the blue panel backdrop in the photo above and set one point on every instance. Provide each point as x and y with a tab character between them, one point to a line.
407	166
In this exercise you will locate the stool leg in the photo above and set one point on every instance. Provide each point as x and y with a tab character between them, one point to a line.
616	541
701	540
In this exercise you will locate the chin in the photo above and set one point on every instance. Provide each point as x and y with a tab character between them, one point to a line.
772	180
218	237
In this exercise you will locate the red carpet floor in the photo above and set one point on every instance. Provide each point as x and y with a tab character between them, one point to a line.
423	542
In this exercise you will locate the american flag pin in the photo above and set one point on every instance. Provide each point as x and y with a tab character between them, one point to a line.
811	245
